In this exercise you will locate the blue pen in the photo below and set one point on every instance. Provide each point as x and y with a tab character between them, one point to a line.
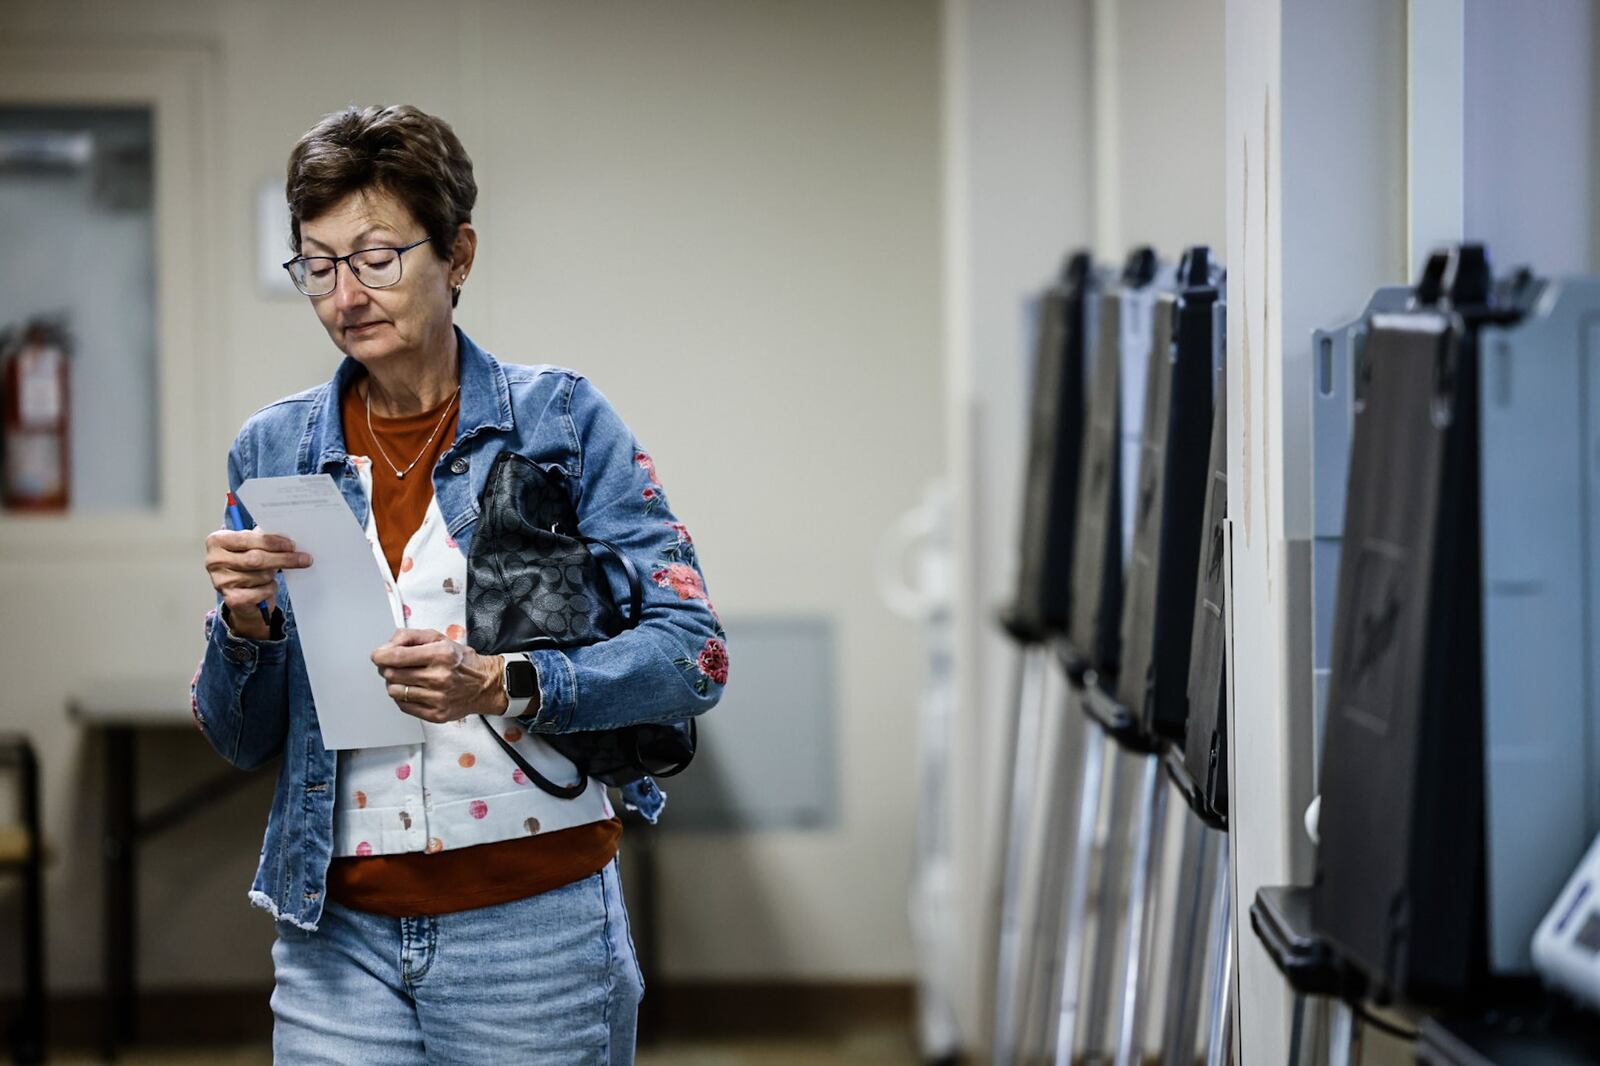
236	522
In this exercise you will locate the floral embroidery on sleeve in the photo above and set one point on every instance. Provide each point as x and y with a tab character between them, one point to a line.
680	572
682	579
711	664
652	492
682	549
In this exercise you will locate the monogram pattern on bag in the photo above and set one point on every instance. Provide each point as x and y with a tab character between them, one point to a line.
528	580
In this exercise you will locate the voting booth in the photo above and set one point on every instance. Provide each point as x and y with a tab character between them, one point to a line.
1397	882
1199	766
1456	600
1137	560
1078	528
1458	776
1026	919
1107	485
1091	651
1168	511
1338	353
1055	447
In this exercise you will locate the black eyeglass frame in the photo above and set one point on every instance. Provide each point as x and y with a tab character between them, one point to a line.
399	251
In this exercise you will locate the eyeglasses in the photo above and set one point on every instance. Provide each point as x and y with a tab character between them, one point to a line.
376	268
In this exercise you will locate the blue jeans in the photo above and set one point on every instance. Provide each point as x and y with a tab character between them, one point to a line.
550	980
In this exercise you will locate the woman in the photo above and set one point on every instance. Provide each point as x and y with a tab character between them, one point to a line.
433	906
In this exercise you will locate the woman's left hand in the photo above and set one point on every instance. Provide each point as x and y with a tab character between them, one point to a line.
438	680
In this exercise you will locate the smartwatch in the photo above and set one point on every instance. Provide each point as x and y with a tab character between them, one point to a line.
519	679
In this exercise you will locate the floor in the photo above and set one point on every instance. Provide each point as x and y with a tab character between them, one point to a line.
880	1048
890	1047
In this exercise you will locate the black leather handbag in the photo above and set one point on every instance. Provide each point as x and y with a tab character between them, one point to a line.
533	581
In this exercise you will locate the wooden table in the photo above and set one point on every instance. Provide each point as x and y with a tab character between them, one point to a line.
118	711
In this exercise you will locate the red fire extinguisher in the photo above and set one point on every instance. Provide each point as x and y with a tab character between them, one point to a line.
35	409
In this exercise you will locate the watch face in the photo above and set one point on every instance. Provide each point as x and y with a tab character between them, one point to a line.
520	680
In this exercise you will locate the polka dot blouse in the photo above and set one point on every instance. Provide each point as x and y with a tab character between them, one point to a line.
457	788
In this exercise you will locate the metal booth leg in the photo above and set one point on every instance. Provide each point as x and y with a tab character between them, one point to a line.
1045	873
1024	774
1075	903
1191	937
1102	961
996	827
1302	1049
1219	1023
1344	1035
1143	880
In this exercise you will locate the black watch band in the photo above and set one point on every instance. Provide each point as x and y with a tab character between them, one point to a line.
520	680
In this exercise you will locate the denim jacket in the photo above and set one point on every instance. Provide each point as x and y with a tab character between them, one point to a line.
252	698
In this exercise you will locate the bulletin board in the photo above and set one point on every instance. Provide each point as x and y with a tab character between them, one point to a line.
768	755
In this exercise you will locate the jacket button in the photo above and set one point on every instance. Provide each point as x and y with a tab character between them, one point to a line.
236	655
459	466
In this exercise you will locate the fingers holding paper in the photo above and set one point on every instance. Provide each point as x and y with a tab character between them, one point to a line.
437	679
243	567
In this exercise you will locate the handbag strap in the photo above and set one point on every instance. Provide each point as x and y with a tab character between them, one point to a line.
694	742
635	590
565	792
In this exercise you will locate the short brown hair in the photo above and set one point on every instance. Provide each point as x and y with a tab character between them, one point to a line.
407	153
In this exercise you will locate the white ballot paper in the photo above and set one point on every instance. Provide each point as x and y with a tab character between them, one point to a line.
341	609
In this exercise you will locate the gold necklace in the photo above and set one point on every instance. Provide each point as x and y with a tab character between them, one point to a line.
398	473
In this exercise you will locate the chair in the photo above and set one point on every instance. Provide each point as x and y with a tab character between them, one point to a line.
22	854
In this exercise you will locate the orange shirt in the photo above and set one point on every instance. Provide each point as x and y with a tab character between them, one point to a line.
417	883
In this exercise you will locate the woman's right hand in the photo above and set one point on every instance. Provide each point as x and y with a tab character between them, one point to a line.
243	566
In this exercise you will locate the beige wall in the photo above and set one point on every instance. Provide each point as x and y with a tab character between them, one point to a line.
1161	175
728	215
1017	179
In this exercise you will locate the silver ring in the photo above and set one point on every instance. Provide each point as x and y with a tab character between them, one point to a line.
405	694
